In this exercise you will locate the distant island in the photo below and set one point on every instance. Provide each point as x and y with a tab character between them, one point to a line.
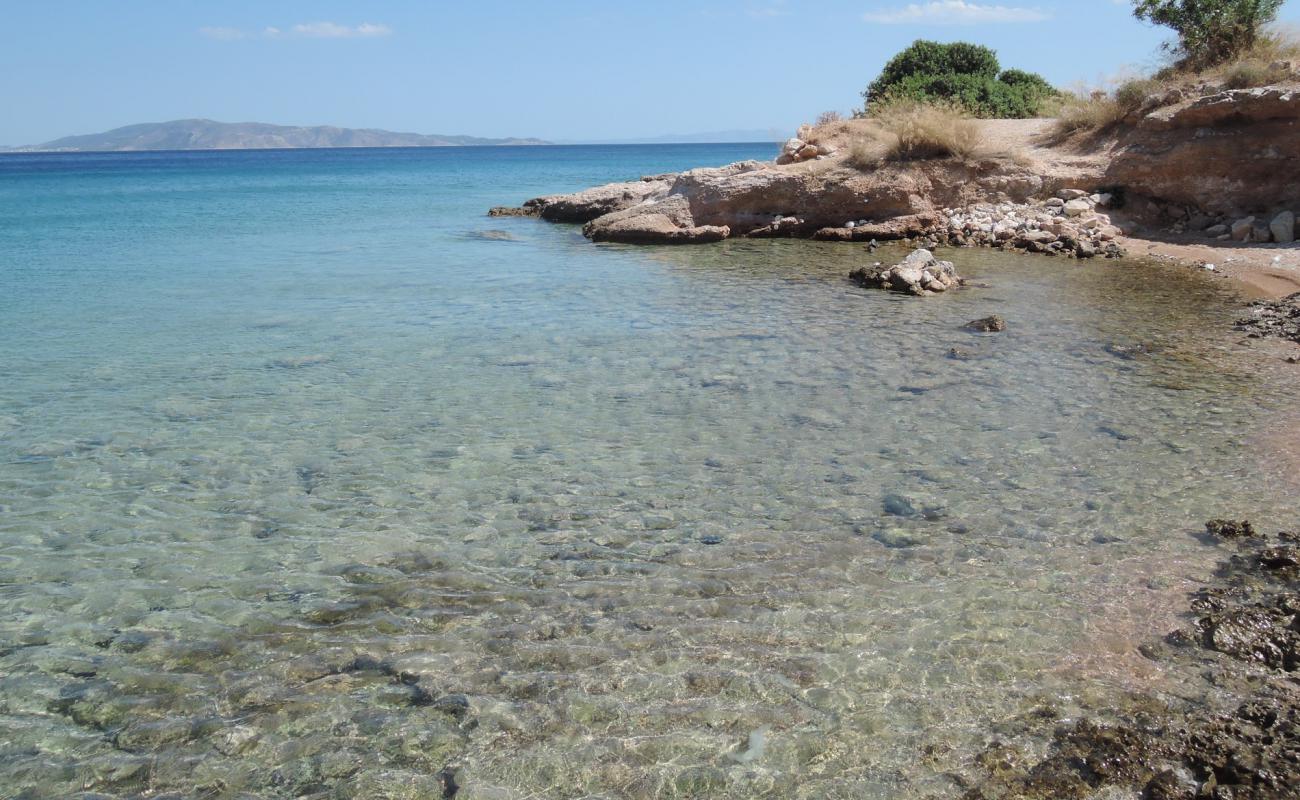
206	134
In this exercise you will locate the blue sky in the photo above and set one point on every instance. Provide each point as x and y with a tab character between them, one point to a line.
579	69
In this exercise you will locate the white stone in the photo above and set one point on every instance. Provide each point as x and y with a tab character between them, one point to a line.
1071	194
1283	227
1076	207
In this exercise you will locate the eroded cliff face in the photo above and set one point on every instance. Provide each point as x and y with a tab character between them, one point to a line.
1203	157
1231	153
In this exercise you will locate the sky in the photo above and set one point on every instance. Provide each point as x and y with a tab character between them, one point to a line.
557	69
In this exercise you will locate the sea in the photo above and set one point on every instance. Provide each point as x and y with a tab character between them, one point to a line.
318	482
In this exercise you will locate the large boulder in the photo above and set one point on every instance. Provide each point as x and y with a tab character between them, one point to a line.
1283	227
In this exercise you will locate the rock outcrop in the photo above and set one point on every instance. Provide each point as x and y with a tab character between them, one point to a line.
1229	153
919	274
1202	163
757	199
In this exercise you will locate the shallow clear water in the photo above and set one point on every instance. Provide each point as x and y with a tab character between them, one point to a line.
315	481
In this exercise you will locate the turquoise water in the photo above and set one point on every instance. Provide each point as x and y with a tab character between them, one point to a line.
317	482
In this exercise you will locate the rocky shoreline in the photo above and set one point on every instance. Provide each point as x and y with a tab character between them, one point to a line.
1245	642
1185	171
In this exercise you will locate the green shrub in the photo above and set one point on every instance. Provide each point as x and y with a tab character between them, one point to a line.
1210	32
1026	80
965	74
978	95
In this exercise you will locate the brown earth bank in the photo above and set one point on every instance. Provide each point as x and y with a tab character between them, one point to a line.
1199	177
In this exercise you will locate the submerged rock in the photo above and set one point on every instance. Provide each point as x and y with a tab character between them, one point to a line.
990	324
1231	529
896	505
898	538
919	274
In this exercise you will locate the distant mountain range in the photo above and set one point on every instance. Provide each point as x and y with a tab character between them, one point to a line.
205	134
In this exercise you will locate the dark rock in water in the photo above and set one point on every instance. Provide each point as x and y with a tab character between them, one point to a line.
993	324
1274	318
710	539
897	538
310	478
933	513
1231	529
447	777
958	354
300	361
511	211
492	235
897	505
1115	433
453	705
1258	635
1128	352
1280	557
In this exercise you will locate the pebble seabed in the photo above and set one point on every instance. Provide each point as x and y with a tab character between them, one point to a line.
790	548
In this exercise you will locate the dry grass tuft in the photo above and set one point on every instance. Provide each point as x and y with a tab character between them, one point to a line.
866	152
1275	58
1099	111
907	130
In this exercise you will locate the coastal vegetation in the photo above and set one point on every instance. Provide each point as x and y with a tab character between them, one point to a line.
903	129
963	74
1221	45
1210	32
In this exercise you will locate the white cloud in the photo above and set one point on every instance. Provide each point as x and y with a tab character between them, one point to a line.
332	30
306	30
954	12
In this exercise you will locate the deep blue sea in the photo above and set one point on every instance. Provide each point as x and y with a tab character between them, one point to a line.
315	481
